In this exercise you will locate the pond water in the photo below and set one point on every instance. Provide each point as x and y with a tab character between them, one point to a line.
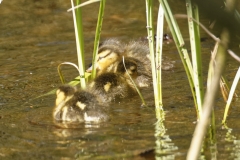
36	36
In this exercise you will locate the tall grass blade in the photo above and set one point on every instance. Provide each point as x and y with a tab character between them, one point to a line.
60	72
159	42
224	87
231	94
97	36
213	140
192	11
177	36
79	43
150	31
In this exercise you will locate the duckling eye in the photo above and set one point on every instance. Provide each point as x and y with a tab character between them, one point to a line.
100	58
134	70
104	56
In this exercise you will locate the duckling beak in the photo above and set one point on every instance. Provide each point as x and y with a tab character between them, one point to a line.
89	70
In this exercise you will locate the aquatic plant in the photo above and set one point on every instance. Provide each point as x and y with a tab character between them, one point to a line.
193	68
156	76
77	19
97	36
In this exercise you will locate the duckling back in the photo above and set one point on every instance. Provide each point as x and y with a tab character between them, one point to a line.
110	86
140	51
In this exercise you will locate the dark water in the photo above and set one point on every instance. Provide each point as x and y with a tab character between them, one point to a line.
36	36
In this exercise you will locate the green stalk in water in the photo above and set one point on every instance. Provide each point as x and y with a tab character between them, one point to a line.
231	94
77	19
159	42
150	31
192	11
177	36
97	36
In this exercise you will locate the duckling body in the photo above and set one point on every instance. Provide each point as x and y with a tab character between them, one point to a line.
110	86
80	106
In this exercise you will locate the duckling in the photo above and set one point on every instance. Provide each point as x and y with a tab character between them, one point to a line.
110	86
109	52
109	59
80	106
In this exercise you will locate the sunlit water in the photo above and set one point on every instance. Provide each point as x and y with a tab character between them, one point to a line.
36	36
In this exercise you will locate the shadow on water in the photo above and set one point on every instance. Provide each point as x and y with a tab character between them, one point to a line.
36	36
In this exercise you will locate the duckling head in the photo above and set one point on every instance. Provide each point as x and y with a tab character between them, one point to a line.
109	52
106	59
137	70
130	65
64	93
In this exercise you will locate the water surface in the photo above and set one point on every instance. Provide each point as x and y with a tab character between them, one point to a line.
36	36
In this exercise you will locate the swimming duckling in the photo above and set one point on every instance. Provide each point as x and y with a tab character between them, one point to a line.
109	59
110	86
80	106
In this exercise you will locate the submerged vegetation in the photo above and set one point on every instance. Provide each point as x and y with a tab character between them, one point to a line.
193	66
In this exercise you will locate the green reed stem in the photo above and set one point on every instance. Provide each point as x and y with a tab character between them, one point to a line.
212	135
177	36
150	31
97	36
77	19
212	128
159	42
192	11
231	94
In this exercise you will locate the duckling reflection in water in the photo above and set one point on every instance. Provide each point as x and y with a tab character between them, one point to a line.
77	106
